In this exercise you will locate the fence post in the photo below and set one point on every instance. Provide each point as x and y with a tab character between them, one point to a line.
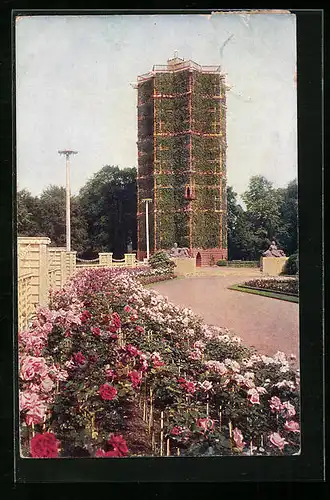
129	259
70	264
105	259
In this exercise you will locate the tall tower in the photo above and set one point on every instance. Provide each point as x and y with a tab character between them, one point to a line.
182	159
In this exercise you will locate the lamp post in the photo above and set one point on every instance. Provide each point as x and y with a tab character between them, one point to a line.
67	154
147	201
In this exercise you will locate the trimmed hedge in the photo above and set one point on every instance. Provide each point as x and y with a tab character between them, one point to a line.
243	263
222	262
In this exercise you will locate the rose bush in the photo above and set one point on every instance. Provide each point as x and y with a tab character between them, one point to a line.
110	357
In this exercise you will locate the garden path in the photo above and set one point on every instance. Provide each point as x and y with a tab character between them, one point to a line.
269	325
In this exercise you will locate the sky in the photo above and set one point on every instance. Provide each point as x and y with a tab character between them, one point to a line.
74	77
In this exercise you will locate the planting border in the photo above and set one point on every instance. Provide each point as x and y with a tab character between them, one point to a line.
265	293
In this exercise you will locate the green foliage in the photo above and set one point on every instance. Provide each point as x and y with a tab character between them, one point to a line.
243	263
108	202
160	260
222	262
270	214
28	219
292	264
45	216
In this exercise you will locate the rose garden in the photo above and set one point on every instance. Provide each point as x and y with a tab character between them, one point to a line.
113	369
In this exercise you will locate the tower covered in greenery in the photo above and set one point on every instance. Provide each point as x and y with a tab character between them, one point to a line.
182	159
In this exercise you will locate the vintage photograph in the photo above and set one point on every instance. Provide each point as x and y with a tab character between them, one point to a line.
157	235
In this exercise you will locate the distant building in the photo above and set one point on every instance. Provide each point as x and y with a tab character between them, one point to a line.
182	159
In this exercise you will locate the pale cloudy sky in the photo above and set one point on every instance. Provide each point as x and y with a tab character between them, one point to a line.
73	76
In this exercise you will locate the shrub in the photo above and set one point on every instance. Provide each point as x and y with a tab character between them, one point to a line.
243	263
222	262
160	260
292	265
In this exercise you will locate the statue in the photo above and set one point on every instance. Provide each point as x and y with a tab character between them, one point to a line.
129	245
273	251
176	252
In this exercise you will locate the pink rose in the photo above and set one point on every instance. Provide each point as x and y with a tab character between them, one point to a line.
254	396
238	438
127	308
28	400
32	366
205	424
275	404
261	390
47	384
248	382
239	379
36	415
206	385
291	426
277	440
289	409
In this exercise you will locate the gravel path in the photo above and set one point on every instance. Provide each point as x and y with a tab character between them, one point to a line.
267	324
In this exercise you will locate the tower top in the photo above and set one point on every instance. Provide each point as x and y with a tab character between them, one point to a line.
175	59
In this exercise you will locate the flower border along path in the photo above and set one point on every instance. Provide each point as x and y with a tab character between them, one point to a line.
265	293
110	359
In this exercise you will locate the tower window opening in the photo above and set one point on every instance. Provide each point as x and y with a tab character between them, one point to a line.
189	193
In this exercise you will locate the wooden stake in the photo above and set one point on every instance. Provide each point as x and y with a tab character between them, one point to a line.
161	432
144	410
151	411
230	429
178	451
220	417
168	447
33	433
262	441
153	440
207	406
251	447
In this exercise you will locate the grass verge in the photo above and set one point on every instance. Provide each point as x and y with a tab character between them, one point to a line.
265	293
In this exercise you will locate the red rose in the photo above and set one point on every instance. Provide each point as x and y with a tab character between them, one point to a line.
115	320
119	445
177	430
135	377
79	358
44	446
85	316
96	331
139	329
107	392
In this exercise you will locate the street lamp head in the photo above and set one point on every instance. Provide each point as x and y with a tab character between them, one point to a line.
147	200
67	152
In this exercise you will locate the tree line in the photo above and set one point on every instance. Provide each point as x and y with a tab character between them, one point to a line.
103	215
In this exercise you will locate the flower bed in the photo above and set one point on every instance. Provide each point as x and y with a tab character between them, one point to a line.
112	369
286	285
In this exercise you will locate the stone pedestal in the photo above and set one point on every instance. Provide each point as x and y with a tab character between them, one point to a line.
184	266
272	266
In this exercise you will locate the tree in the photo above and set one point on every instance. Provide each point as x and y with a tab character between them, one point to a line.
28	216
270	214
108	202
52	213
288	232
263	206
